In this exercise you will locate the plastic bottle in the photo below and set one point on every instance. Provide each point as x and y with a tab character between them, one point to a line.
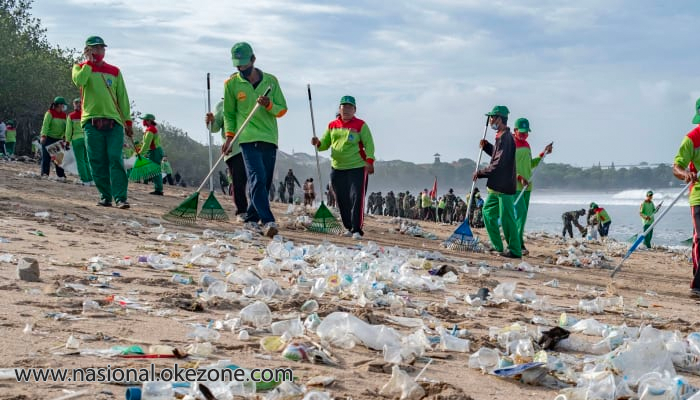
156	390
182	279
485	359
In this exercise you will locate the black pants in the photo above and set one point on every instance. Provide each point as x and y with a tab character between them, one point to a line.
168	178
349	186
695	212
236	167
290	195
567	228
46	159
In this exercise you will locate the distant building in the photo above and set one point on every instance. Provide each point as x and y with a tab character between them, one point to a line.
437	158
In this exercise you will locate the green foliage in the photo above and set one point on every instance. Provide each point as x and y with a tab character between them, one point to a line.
33	71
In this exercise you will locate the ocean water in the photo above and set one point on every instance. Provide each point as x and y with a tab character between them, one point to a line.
547	206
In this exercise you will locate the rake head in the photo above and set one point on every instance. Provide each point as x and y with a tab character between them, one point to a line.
144	169
325	222
460	242
212	209
186	212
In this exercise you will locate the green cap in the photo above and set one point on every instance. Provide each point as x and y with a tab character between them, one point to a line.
593	205
149	117
59	100
241	54
501	111
94	41
650	193
696	118
522	125
348	100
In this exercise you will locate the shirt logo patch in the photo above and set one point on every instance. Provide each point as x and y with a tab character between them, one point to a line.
241	96
351	137
109	82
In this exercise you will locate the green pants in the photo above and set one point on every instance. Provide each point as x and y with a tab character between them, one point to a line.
156	155
501	205
10	148
81	159
104	149
647	238
521	213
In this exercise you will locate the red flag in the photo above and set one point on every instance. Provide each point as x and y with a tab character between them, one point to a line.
433	191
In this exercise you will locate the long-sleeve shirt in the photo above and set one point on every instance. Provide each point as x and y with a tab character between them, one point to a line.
500	172
11	135
289	181
239	99
218	125
647	210
151	139
688	156
165	167
601	215
101	86
74	130
350	142
54	125
524	163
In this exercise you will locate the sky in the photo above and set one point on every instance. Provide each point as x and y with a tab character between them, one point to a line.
605	80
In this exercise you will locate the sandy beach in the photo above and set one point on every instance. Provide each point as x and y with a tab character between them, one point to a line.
59	225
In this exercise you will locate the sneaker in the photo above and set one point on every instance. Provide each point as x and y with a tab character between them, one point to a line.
524	251
62	179
357	236
508	254
123	204
270	229
347	233
157	193
695	293
252	226
104	203
240	217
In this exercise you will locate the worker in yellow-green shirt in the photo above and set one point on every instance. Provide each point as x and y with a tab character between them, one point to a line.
76	138
151	144
53	129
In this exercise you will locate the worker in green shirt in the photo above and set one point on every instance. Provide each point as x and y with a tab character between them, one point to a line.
76	138
167	170
151	144
259	139
106	117
603	219
53	130
352	159
524	164
10	137
234	163
646	211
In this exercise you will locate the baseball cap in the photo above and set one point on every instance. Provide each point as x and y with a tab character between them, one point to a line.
241	53
696	118
593	205
348	100
149	117
501	111
650	193
522	125
59	100
94	41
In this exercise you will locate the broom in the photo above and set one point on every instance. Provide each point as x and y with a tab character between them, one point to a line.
211	209
186	212
324	221
462	239
143	168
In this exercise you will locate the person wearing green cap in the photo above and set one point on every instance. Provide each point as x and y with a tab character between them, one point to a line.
167	170
685	168
646	211
10	137
151	144
259	139
106	117
500	174
352	159
234	163
53	129
602	218
524	164
76	138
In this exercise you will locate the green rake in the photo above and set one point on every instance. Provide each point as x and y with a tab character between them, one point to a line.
143	168
324	221
186	212
211	209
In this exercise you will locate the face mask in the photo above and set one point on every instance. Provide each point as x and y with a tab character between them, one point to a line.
144	122
64	107
494	127
246	72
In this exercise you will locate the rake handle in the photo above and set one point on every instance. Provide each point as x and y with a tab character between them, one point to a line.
478	161
240	129
313	131
529	183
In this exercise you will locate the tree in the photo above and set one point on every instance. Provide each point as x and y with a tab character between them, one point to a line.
33	71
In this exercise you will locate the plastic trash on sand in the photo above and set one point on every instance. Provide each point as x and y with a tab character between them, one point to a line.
402	385
257	314
345	330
